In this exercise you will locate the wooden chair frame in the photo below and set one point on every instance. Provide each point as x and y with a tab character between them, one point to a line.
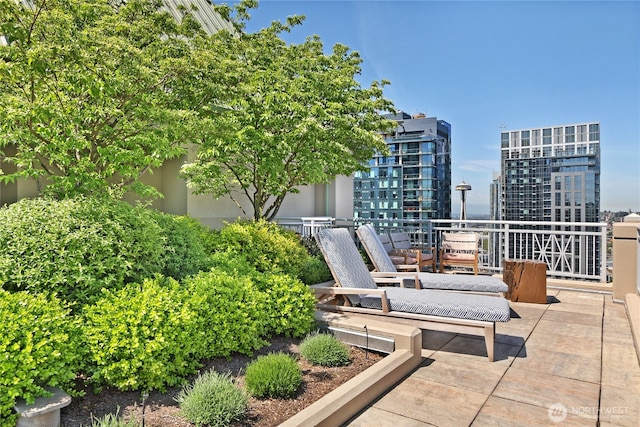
459	249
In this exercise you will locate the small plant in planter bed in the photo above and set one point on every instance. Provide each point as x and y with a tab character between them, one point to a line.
111	420
324	350
273	375
213	399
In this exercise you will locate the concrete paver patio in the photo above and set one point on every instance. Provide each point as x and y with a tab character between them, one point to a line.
569	362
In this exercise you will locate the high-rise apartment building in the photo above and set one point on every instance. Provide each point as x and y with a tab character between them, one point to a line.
551	173
414	181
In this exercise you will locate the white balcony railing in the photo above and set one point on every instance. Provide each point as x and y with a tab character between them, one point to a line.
570	250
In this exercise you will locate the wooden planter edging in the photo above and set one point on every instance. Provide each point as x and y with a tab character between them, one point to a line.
353	396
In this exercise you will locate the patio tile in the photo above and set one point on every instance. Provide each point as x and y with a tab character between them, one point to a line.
511	336
575	356
528	311
572	317
381	418
620	406
566	344
573	297
435	340
620	366
544	390
547	326
475	375
504	412
474	348
614	310
577	308
431	402
564	365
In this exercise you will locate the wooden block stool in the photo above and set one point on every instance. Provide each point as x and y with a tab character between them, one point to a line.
527	280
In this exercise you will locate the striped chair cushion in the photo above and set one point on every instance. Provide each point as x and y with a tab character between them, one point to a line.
461	282
345	261
379	256
442	304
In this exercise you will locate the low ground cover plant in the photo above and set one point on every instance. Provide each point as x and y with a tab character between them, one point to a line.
213	399
273	375
325	350
113	420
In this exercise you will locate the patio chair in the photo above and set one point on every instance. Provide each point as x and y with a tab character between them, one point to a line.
451	282
459	249
403	260
357	293
402	243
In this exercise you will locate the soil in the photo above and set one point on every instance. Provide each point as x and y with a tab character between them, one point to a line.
161	410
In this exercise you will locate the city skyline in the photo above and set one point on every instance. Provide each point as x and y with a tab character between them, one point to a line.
487	67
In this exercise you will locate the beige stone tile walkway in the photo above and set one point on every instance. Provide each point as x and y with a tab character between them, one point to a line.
569	362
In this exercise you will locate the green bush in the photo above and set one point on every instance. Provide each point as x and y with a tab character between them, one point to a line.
184	252
213	399
229	313
324	350
273	375
76	247
289	304
315	271
142	336
40	345
266	245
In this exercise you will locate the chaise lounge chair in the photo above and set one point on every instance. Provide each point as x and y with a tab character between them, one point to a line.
451	282
357	293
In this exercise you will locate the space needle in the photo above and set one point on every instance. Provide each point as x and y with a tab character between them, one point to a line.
463	187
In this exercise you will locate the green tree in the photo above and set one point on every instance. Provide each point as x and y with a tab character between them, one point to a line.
92	92
294	116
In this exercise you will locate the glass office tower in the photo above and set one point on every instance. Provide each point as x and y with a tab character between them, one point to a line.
414	181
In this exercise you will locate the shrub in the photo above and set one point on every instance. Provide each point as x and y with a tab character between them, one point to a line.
142	336
310	244
289	304
324	350
40	345
76	247
213	399
266	245
184	251
315	271
273	375
229	313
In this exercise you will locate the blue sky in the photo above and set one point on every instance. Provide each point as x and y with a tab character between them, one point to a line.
484	66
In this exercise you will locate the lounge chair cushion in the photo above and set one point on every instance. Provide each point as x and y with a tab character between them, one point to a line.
442	304
459	256
345	261
379	255
460	282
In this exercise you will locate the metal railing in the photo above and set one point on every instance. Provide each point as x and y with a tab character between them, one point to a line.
571	250
306	226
